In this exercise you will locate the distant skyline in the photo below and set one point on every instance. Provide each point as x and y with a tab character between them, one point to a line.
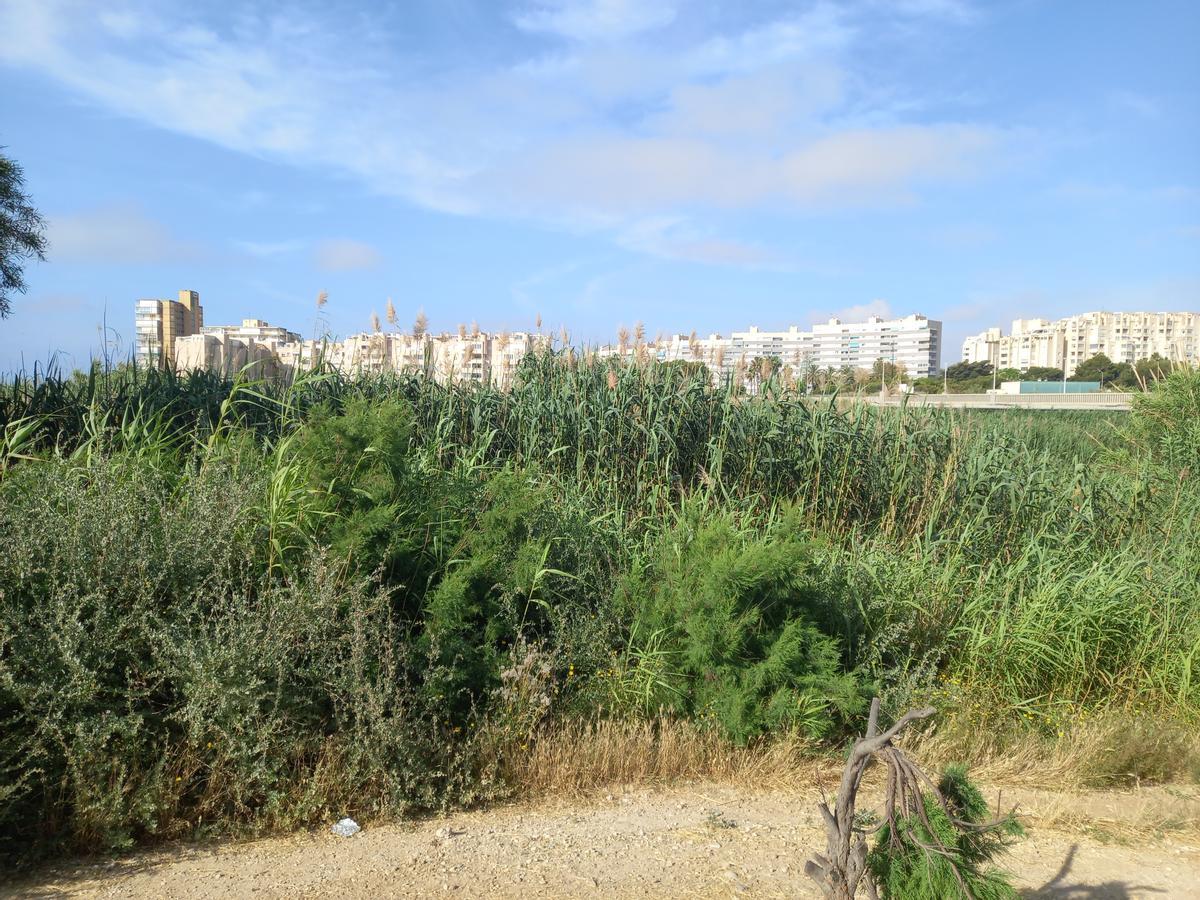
692	165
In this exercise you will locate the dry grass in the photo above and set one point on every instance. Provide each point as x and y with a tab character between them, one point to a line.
577	758
1098	779
1113	748
1127	815
580	757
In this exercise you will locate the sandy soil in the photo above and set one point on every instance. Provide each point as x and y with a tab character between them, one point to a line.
691	840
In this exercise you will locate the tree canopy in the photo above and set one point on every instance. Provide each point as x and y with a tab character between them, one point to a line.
22	232
961	371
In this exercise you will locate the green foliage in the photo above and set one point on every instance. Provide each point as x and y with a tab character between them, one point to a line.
382	511
152	679
1165	421
1042	373
739	617
524	571
1099	368
906	868
337	584
22	232
962	371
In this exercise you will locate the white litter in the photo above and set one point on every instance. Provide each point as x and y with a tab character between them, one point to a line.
346	828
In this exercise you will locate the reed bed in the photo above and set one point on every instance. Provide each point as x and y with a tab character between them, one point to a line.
391	594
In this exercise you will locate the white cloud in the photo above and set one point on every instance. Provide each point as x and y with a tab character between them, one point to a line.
342	255
266	249
765	115
823	29
952	10
1111	193
675	238
609	177
765	103
116	234
595	20
1138	104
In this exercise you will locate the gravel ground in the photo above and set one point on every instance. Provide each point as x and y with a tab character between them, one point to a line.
697	840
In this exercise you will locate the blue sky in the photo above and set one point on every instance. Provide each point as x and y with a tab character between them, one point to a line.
687	163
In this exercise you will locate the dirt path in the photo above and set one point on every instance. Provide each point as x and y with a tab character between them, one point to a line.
701	840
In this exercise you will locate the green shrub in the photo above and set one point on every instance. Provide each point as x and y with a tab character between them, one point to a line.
1166	420
384	512
302	600
738	613
526	570
905	867
155	680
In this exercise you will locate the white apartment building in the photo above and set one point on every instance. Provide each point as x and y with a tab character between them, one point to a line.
477	357
226	355
251	348
913	342
255	330
1064	344
172	334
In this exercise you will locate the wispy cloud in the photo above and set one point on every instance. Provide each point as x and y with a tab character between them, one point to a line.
951	10
523	289
268	249
1139	105
678	239
599	131
594	20
1114	192
119	235
343	255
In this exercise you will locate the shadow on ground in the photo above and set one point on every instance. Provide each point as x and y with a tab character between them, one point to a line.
1061	888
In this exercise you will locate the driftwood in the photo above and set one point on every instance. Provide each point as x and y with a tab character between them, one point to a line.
842	870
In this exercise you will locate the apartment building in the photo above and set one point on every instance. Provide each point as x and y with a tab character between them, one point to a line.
228	355
255	331
913	342
1065	343
173	334
158	325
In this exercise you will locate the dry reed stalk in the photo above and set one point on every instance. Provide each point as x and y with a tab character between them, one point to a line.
1110	748
577	758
